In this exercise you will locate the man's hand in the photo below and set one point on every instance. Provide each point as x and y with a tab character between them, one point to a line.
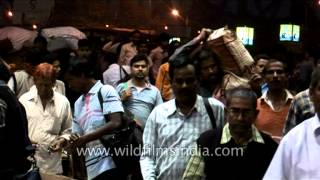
126	95
57	144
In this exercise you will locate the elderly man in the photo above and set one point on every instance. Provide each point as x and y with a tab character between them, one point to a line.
49	118
173	127
298	154
247	147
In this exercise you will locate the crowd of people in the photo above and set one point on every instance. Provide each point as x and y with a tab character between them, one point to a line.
50	108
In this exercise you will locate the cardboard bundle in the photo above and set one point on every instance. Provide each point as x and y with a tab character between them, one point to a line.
232	53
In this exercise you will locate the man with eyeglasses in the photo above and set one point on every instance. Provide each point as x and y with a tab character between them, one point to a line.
234	151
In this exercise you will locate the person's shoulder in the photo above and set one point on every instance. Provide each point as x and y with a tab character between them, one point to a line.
61	98
214	101
25	97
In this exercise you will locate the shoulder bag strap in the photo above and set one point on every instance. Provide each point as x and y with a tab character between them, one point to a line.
101	103
210	112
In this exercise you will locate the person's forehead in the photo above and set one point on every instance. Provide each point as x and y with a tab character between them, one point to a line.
262	61
240	102
140	62
188	69
275	65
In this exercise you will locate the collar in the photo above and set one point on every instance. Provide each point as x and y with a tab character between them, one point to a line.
226	135
34	95
131	85
315	125
94	89
172	107
289	96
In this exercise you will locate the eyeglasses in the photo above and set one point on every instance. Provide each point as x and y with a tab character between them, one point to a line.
238	111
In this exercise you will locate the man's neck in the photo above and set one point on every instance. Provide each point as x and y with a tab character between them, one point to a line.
277	95
139	82
89	85
186	106
243	138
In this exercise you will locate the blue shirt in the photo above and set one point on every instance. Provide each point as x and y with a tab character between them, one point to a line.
89	117
140	103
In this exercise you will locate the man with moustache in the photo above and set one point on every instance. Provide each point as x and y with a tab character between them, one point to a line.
234	151
298	154
174	126
274	104
138	96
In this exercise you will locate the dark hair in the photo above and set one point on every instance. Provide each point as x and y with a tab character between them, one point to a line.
82	67
241	92
136	31
261	56
4	72
181	60
315	78
139	57
84	43
205	54
273	61
40	39
111	58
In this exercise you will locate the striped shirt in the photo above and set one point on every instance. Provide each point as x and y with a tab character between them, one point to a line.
301	108
169	137
89	117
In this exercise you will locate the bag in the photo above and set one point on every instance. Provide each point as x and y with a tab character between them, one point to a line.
129	137
235	57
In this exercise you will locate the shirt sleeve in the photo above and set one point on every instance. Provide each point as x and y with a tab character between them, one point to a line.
280	165
111	100
291	119
148	156
75	127
3	110
218	111
66	122
159	98
195	167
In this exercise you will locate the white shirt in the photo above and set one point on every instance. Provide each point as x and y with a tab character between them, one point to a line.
45	125
112	76
128	51
169	136
298	155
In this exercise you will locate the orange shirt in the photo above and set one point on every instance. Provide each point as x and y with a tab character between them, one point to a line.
163	82
271	121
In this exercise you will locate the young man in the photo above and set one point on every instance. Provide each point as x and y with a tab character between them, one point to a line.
239	150
298	154
173	127
274	104
129	50
91	122
138	96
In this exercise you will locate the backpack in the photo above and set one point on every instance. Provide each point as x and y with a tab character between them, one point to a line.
128	137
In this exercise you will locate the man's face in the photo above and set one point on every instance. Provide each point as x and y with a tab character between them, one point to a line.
44	87
315	96
260	65
135	38
84	51
139	69
209	70
240	114
275	75
185	83
74	82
